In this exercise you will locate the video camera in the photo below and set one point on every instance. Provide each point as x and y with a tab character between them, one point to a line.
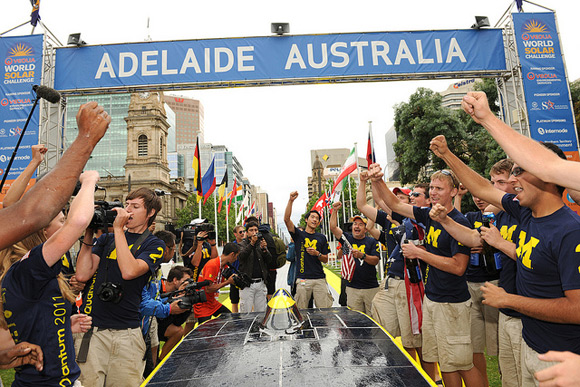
104	215
191	230
191	294
241	280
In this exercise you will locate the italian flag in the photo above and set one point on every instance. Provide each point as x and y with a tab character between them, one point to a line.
347	168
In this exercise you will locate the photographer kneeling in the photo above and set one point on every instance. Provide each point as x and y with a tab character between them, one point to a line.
214	272
112	354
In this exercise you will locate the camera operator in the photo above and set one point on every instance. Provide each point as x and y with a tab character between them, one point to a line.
255	259
213	272
125	262
264	229
170	317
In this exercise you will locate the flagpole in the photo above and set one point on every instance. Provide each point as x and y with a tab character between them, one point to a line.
199	209
215	217
343	208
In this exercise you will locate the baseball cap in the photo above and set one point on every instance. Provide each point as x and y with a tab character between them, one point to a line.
404	191
362	219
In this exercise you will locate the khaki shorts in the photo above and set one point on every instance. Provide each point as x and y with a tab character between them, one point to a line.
306	288
483	321
391	310
153	333
115	358
531	364
510	346
360	299
447	335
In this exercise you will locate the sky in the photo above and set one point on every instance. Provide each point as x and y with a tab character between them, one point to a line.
271	130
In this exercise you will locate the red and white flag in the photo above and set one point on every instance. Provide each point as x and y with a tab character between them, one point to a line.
320	204
347	168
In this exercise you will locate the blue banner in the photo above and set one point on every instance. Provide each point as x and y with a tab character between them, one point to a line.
247	60
544	79
22	59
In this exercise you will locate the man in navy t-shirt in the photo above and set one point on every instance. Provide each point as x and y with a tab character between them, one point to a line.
446	308
312	250
548	251
116	349
363	286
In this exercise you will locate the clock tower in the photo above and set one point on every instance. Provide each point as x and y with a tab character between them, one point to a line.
147	127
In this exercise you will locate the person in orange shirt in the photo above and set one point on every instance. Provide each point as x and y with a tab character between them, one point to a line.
212	271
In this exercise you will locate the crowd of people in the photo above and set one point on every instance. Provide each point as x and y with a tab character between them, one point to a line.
501	280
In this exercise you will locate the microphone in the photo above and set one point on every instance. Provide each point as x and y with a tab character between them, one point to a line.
47	93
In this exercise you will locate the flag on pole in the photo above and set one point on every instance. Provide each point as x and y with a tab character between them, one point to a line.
222	191
232	195
348	167
34	15
371	159
347	264
252	210
243	207
320	204
208	181
196	165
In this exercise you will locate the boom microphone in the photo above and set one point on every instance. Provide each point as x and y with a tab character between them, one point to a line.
47	93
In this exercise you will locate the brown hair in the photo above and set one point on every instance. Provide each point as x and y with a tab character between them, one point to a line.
448	175
502	166
150	200
14	253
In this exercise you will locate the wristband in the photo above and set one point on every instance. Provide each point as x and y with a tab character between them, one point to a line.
212	245
364	256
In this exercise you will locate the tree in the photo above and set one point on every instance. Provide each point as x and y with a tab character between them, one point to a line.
416	123
191	211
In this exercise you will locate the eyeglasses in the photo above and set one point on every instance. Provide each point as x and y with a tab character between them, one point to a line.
241	231
517	171
416	194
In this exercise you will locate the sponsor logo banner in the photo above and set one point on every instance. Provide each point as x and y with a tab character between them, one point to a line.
21	58
278	58
544	78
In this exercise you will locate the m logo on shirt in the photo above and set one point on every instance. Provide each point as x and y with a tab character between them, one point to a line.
507	233
360	248
310	243
433	236
524	249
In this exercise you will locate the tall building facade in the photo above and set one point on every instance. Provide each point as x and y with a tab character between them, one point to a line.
326	165
188	119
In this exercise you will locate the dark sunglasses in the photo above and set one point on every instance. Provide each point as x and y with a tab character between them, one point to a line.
447	172
416	194
241	231
517	171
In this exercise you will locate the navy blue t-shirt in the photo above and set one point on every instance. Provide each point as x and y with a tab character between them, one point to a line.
440	285
509	230
36	312
205	257
125	314
388	239
548	260
394	265
478	273
365	275
308	266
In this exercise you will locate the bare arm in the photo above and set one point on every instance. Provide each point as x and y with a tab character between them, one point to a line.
457	199
87	262
476	184
375	232
288	212
361	199
564	310
527	153
17	188
337	231
385	193
47	197
456	264
462	234
214	287
493	238
79	217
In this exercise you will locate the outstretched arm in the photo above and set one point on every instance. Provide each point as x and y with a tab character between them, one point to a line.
361	198
79	217
47	197
476	184
527	153
288	212
464	235
384	193
337	231
375	232
17	188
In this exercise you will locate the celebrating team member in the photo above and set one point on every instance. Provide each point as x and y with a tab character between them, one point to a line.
35	295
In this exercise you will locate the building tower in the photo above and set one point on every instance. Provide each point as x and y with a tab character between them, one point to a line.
317	178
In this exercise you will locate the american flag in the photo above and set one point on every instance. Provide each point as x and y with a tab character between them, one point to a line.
347	265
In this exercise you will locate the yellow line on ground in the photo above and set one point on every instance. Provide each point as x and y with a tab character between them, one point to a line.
332	279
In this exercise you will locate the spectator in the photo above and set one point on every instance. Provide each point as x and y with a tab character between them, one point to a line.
312	250
239	234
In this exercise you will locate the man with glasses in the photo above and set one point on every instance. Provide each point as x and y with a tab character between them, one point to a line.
239	234
446	307
548	257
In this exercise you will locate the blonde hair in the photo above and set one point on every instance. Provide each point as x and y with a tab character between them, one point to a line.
13	254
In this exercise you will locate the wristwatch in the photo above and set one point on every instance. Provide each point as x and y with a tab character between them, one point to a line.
319	254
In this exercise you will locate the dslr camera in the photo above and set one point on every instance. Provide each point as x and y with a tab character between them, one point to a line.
191	294
110	292
104	215
241	280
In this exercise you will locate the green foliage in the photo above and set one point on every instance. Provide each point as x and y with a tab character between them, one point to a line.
191	211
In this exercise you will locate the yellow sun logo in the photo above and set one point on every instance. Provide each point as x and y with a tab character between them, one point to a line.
535	26
20	50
